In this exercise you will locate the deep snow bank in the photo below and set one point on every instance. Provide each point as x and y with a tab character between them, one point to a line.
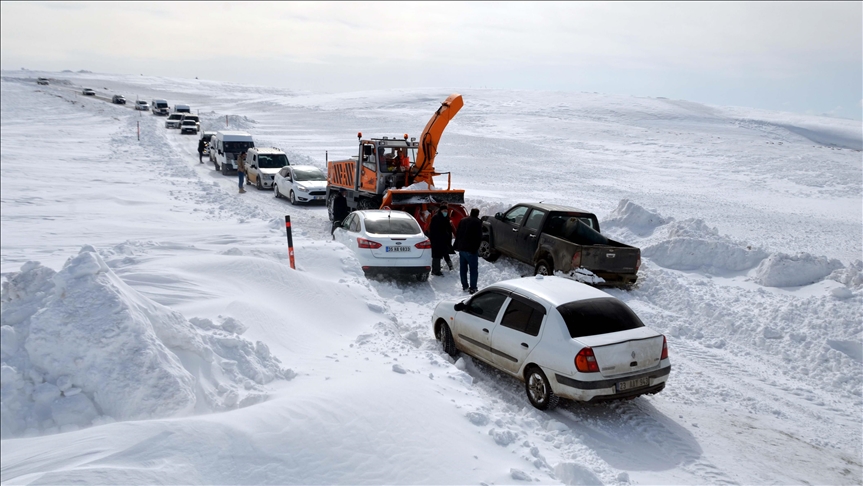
782	270
80	347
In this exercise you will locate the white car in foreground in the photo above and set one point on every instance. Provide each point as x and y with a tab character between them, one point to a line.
301	183
387	243
560	337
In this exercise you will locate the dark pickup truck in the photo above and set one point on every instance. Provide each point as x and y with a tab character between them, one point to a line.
556	238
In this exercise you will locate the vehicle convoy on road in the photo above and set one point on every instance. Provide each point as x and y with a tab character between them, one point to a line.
555	238
226	146
387	242
262	164
301	184
118	100
174	120
160	107
561	338
399	173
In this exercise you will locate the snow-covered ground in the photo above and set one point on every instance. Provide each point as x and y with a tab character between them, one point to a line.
164	338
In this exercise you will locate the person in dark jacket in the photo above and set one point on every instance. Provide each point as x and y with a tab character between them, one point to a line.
468	236
201	145
340	211
440	236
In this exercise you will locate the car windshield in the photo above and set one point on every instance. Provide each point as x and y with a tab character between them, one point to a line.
392	226
598	316
301	175
175	116
237	147
159	104
189	122
272	161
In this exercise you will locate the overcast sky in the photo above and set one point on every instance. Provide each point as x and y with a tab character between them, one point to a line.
801	57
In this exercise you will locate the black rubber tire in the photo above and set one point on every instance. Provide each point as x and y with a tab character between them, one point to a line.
258	184
224	169
538	389
445	337
292	198
423	277
276	192
330	199
486	251
543	267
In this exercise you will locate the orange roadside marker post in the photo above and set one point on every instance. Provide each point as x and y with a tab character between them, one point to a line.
290	241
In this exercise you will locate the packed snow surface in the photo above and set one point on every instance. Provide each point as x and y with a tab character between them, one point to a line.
153	330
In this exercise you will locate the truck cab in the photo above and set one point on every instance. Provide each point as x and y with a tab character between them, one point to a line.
384	163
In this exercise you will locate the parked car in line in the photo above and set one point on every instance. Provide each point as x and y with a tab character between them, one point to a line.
118	100
301	184
207	137
553	238
188	126
174	120
560	337
160	107
42	81
182	109
89	92
195	118
141	105
226	146
262	163
387	243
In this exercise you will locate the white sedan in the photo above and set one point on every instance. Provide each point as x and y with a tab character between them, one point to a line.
560	337
387	243
300	183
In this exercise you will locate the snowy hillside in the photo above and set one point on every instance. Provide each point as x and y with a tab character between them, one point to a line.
153	331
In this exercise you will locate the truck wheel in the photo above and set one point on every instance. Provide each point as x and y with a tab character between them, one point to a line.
543	267
486	251
330	198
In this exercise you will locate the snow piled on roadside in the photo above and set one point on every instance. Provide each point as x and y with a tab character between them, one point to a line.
80	347
782	270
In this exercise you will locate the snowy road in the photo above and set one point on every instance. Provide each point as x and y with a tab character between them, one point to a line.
766	380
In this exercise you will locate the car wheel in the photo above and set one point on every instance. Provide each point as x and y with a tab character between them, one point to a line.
258	184
486	251
330	200
276	192
538	389
224	169
423	277
543	268
445	337
292	198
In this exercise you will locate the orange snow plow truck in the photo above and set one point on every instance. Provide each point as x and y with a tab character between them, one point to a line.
397	173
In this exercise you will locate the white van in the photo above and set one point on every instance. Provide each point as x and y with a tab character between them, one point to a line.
226	146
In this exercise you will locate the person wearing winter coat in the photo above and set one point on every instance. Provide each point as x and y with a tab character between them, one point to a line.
340	211
201	146
241	170
440	236
468	237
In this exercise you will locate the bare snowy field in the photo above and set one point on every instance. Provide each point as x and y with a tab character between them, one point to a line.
163	337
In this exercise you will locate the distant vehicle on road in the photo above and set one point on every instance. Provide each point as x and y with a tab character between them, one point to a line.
208	138
174	120
142	105
42	81
182	109
387	243
560	337
188	126
194	118
160	107
118	100
89	92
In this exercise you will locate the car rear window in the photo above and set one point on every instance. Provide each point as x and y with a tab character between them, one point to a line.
598	316
392	226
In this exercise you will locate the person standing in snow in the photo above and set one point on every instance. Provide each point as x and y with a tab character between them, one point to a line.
201	146
241	170
340	211
468	236
440	236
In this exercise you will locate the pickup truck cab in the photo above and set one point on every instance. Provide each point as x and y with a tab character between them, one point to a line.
160	107
555	238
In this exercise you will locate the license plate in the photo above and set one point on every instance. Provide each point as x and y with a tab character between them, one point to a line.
632	384
398	248
318	198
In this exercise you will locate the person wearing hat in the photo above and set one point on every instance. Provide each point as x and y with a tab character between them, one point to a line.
440	235
340	210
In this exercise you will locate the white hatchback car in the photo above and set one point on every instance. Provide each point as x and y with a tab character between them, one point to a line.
560	337
174	120
142	105
387	243
301	183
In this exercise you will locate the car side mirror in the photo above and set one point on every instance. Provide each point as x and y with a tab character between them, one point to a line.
498	216
460	306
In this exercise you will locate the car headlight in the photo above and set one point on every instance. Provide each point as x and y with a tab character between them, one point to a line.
302	188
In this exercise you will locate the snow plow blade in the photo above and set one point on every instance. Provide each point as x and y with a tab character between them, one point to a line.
401	197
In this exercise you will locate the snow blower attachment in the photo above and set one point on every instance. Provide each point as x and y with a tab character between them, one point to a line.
398	173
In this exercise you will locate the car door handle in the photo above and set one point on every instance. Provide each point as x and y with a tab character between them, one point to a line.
524	345
531	236
485	330
515	230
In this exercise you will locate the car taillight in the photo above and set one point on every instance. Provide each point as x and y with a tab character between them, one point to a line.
585	361
424	245
576	260
664	349
364	243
